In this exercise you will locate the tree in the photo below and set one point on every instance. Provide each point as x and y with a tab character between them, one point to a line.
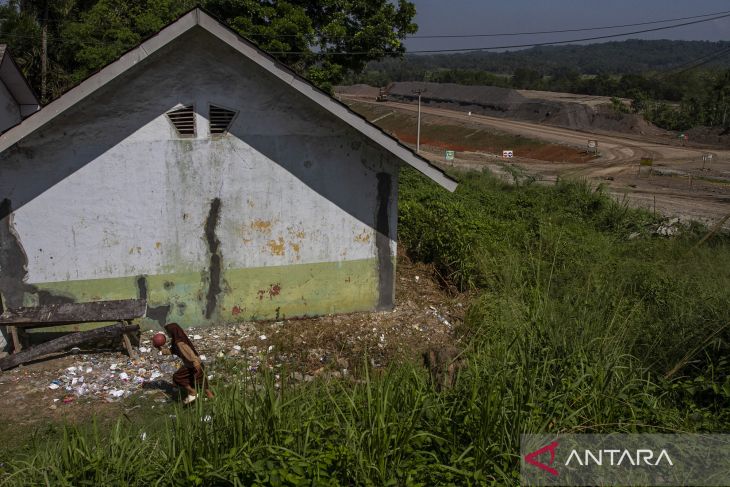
323	40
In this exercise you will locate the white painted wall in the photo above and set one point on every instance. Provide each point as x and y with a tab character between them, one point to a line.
109	190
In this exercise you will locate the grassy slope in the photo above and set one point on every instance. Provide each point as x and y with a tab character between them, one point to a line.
576	323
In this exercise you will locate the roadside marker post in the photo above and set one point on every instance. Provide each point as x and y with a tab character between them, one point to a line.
419	92
450	155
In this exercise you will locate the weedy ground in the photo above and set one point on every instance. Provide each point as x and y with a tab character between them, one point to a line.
583	320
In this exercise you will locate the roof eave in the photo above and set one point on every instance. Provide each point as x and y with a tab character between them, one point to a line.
198	17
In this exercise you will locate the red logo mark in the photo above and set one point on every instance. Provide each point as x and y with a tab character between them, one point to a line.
530	458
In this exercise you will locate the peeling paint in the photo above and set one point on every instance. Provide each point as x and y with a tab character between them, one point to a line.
296	249
276	247
363	237
263	226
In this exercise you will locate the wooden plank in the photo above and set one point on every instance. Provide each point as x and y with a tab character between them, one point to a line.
17	345
128	346
68	313
66	342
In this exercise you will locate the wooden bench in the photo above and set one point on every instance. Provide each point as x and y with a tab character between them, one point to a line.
121	311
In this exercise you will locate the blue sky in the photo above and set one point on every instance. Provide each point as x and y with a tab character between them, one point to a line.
482	17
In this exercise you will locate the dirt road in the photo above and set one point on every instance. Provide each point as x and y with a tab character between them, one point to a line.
679	183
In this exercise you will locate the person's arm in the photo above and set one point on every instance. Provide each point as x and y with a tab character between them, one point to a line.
188	355
165	351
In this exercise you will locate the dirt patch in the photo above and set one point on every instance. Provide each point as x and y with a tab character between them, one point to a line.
74	388
439	133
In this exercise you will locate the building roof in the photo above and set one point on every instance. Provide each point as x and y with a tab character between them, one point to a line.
16	83
199	18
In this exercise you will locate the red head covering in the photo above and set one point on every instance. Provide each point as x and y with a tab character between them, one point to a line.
178	335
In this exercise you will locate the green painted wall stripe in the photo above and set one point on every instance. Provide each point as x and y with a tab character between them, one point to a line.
247	294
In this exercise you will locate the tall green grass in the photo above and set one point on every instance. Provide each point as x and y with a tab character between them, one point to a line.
579	325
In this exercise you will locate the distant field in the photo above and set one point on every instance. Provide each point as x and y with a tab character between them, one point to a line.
447	134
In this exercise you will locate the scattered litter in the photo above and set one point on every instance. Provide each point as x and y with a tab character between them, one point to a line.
144	349
123	376
54	385
262	337
116	393
197	337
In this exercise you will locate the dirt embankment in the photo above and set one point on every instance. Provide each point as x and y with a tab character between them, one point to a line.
584	113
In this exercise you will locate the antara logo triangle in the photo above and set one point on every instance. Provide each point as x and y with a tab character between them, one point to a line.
531	458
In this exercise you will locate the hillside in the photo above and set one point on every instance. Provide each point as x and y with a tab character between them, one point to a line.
623	57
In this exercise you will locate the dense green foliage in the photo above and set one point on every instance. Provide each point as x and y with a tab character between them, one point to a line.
608	58
584	321
85	35
658	76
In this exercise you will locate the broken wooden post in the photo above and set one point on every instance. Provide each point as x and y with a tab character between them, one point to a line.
66	342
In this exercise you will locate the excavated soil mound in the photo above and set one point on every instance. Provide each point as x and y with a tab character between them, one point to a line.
710	135
508	103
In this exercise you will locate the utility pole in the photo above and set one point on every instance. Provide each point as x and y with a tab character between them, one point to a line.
419	92
44	53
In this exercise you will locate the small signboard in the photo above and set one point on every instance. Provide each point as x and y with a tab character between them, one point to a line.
508	154
450	155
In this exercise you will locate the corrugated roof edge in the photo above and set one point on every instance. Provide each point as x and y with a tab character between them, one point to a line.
199	17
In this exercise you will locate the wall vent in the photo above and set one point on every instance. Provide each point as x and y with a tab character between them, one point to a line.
220	119
183	119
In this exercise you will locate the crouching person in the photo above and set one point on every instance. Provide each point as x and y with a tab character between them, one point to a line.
191	374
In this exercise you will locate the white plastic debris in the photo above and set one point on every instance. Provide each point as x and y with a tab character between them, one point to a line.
116	392
203	358
113	367
53	386
197	337
124	376
237	347
144	349
262	337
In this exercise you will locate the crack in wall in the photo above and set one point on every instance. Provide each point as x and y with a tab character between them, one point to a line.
214	269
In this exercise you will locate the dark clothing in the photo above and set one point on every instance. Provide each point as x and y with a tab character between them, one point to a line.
191	373
189	376
177	336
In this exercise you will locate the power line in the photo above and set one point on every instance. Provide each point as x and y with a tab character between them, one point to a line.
536	44
455	36
435	51
700	62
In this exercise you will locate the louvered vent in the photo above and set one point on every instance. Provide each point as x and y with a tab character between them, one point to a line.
183	119
220	119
